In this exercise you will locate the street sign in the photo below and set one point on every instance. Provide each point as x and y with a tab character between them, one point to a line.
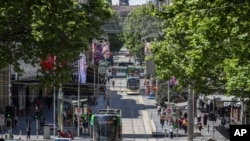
103	66
78	111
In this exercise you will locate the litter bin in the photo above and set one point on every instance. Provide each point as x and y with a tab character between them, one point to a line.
46	132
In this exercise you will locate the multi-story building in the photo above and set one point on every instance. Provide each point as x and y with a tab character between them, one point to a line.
124	2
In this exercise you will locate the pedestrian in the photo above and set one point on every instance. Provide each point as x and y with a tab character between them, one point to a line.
180	122
85	125
15	121
159	110
28	133
214	118
75	121
113	83
185	124
199	118
108	102
223	122
205	119
162	120
171	134
199	126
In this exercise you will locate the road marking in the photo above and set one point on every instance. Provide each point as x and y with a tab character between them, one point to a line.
146	122
140	100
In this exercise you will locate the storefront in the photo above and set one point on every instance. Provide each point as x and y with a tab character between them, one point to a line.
225	106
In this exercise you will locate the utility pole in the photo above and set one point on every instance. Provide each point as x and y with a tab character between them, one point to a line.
78	96
190	114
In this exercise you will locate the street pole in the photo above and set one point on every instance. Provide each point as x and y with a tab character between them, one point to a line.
98	86
213	116
60	108
190	115
36	126
10	95
168	93
94	79
54	99
78	102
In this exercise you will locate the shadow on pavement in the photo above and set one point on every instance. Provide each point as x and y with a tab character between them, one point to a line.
223	131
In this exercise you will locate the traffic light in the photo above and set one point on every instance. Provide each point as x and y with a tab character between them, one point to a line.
37	114
10	112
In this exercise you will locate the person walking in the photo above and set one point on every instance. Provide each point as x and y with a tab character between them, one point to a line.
15	122
159	110
170	129
185	124
113	83
28	133
162	120
199	126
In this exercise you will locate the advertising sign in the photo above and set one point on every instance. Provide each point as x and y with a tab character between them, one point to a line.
82	69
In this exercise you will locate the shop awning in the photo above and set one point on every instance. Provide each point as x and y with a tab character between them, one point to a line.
181	104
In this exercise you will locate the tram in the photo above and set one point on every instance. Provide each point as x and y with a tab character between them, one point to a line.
139	70
106	125
133	85
118	71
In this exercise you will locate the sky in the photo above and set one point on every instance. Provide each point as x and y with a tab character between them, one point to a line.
131	2
137	2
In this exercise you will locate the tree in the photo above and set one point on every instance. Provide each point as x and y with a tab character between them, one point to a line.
60	28
115	36
200	41
16	41
206	46
137	26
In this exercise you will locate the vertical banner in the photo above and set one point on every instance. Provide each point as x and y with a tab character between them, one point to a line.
97	53
172	81
82	69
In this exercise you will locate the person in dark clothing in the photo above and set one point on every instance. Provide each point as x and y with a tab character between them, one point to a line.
205	120
85	125
28	133
75	121
199	126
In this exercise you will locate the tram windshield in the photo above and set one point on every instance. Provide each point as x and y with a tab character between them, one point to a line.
133	83
105	128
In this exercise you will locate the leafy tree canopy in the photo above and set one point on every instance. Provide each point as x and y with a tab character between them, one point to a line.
138	25
206	45
30	30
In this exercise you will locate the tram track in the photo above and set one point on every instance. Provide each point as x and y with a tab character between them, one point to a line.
141	132
135	119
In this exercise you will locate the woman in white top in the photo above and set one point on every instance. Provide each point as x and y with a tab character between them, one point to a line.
170	129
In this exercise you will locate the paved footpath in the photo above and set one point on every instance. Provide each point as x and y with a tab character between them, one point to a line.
220	134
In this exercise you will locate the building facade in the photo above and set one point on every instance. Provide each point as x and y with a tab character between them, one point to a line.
124	2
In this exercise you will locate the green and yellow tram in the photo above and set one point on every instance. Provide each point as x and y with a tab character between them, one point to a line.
106	125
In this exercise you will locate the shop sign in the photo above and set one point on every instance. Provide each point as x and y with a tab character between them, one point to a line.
231	104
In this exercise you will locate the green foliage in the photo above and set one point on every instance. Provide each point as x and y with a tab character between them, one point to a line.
30	30
115	39
139	26
206	45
